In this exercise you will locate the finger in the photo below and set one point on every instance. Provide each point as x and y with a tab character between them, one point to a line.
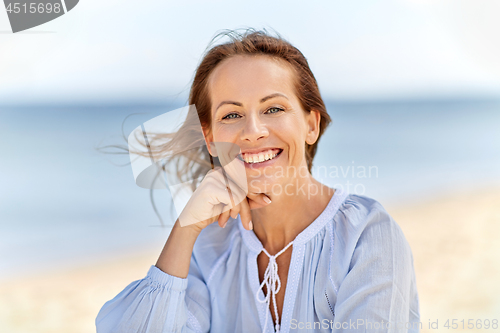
254	205
246	216
236	193
258	200
236	172
235	211
216	185
223	218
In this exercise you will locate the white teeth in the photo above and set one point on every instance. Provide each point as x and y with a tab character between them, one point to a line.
248	158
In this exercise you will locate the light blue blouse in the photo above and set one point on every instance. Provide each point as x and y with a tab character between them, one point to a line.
351	271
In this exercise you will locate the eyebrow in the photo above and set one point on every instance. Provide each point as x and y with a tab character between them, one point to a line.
261	101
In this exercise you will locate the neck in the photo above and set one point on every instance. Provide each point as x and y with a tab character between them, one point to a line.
290	213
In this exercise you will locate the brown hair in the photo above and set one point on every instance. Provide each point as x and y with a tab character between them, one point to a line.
195	161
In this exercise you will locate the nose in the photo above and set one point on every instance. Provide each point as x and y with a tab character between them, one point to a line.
254	128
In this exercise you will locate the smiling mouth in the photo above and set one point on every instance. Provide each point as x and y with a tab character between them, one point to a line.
263	156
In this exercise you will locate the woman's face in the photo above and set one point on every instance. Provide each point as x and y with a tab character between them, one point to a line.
254	106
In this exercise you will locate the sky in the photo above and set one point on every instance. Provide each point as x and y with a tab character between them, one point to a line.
122	51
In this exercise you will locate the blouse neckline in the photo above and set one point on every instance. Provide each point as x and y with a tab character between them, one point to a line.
254	244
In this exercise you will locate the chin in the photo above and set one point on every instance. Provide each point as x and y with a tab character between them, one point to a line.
263	184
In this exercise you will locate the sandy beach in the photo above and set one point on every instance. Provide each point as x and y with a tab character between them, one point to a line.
456	247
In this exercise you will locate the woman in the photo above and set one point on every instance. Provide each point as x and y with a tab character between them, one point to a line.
294	254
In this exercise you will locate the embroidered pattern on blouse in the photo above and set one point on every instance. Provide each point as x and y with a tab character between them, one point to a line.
330	231
194	322
329	304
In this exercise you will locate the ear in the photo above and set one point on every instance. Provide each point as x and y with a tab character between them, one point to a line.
209	139
313	120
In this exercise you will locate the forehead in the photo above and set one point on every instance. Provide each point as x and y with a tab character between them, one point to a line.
246	76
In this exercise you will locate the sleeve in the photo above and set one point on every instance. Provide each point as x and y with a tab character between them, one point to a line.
379	293
158	303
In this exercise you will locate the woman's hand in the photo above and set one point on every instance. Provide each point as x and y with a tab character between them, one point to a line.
221	195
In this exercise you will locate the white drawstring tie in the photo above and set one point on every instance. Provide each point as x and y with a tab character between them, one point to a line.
273	285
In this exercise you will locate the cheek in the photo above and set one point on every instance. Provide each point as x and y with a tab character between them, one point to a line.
292	131
225	133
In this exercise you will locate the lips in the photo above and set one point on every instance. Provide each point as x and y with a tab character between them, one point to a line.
261	156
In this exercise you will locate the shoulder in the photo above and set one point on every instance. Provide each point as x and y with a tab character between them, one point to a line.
359	214
364	229
358	210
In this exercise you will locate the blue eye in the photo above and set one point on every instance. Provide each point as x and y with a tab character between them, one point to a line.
274	110
231	116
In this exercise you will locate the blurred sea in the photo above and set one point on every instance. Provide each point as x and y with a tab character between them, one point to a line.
63	203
